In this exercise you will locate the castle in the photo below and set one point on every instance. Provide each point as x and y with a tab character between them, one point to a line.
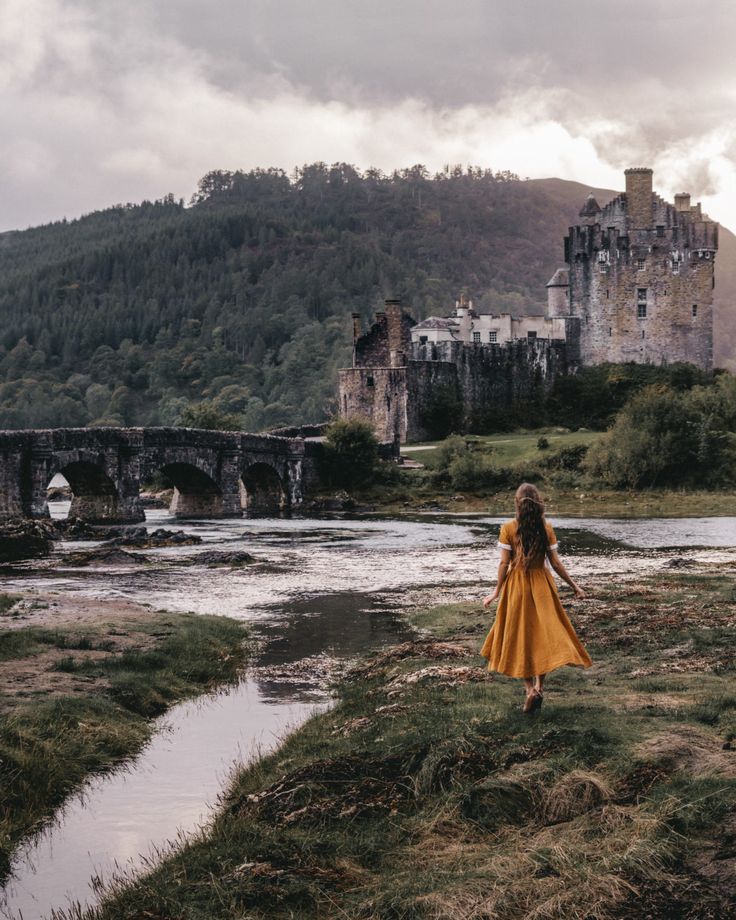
637	286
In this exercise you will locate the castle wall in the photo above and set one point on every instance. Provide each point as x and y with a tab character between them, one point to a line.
377	395
493	379
390	334
644	294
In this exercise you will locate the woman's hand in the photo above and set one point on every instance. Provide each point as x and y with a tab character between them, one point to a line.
579	593
487	601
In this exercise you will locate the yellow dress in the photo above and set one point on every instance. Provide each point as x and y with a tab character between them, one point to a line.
532	633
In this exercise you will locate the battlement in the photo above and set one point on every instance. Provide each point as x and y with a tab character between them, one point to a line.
641	275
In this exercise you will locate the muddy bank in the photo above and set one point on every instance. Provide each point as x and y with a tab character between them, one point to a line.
81	681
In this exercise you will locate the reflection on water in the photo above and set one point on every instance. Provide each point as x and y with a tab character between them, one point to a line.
321	587
168	790
172	786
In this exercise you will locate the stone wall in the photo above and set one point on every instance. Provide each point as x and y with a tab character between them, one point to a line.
106	466
644	293
387	342
492	380
379	396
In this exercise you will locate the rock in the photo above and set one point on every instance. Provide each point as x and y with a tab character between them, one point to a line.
25	540
678	562
104	555
59	494
458	498
76	529
224	557
160	499
141	539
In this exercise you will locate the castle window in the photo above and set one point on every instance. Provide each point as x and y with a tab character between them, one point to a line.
675	268
609	331
476	338
603	268
695	309
493	336
531	335
641	303
423	339
641	264
369	381
660	230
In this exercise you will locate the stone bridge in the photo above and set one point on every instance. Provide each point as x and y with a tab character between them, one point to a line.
214	473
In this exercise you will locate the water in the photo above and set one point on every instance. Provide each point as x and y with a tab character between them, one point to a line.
319	587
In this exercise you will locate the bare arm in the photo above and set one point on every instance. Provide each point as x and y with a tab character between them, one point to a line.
557	565
503	569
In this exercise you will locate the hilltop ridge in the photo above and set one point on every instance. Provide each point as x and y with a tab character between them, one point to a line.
244	298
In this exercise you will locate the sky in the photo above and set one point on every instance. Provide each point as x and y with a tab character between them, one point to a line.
108	101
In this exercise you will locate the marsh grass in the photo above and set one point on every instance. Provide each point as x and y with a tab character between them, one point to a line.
446	802
49	744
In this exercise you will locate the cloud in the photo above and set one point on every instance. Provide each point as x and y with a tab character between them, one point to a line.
103	101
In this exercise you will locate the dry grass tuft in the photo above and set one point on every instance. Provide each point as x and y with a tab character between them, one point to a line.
575	793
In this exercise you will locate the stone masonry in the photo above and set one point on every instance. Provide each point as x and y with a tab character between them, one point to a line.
641	278
214	473
638	287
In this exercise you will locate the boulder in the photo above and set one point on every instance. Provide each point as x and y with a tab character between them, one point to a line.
25	540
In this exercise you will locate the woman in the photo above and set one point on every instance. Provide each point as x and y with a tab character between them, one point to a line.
532	634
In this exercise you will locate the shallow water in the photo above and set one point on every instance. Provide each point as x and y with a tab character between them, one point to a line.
320	587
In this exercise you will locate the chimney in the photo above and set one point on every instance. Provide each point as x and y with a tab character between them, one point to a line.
356	326
682	202
395	338
639	197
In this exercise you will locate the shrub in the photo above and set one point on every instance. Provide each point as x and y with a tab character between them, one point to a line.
662	438
542	443
567	458
350	454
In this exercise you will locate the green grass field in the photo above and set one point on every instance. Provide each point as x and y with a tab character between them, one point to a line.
509	448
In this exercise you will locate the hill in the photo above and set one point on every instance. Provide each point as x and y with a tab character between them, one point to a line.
244	296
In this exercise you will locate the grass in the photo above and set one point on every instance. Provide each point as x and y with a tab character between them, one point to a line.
426	794
510	448
567	492
52	739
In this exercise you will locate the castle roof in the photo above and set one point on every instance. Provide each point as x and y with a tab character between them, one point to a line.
561	278
591	207
437	322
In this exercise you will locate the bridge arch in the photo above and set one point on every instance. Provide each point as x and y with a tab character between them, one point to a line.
196	493
264	489
95	497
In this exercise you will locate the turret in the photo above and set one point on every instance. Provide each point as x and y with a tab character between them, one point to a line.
558	287
590	211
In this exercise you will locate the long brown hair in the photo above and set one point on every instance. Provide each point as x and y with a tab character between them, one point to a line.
531	542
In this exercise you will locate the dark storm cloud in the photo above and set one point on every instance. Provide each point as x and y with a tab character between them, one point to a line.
104	100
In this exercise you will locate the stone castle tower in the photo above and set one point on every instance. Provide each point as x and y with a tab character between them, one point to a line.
637	287
640	279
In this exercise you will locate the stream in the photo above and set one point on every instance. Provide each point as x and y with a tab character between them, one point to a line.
329	588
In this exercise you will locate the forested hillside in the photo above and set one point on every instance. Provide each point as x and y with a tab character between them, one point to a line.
243	298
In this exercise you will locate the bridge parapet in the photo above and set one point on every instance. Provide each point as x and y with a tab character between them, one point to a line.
214	473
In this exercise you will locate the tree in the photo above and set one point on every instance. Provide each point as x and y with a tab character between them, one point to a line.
206	415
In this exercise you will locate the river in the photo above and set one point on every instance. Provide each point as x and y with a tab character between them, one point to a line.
321	589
